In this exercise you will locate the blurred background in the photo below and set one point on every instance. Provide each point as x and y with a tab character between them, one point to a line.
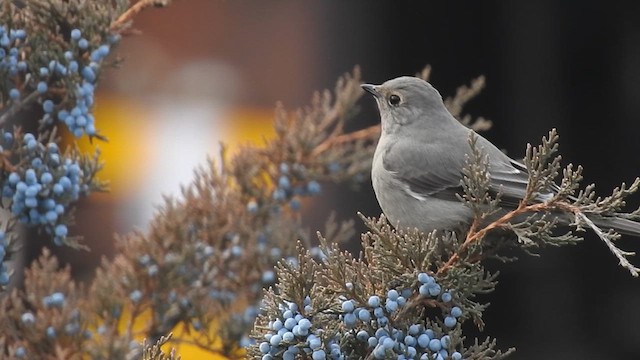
204	71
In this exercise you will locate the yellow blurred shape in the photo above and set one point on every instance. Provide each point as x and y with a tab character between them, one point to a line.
250	126
182	340
126	125
129	130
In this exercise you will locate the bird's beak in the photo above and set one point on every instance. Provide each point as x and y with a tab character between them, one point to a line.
371	89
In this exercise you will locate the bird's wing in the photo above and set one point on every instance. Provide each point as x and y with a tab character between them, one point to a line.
426	170
509	178
434	170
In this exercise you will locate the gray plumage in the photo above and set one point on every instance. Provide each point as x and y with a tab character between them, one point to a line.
418	163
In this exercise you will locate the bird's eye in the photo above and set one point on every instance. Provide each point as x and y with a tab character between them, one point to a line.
394	100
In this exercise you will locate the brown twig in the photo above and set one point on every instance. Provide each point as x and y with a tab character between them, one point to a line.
123	19
16	107
362	134
474	236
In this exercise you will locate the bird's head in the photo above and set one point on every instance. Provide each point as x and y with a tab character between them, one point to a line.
405	100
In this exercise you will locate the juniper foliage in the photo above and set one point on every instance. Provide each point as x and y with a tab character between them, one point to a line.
206	266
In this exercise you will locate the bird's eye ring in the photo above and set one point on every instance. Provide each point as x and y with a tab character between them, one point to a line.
394	100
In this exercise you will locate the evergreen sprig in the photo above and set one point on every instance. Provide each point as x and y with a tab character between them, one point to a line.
546	205
154	351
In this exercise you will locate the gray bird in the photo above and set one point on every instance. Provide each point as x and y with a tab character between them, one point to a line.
418	163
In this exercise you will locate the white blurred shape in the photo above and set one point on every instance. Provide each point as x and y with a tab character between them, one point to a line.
188	117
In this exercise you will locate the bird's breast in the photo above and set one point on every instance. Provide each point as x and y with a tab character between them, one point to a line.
406	209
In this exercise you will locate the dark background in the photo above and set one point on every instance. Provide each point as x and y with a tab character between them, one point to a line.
571	65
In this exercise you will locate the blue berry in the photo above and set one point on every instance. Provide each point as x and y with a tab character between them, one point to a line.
88	74
434	289
268	277
456	356
288	336
313	187
264	347
275	340
446	297
393	294
290	323
378	312
435	345
294	204
83	43
279	195
103	50
76	34
350	320
51	332
14	178
47	106
423	340
364	315
374	301
73	66
410	340
152	270
450	321
414	329
252	207
381	335
42	87
362	335
425	278
445	341
28	318
372	341
55	299
284	183
314	342
456	311
319	355
60	230
304	324
14	94
388	343
379	352
20	34
424	290
347	306
391	305
135	296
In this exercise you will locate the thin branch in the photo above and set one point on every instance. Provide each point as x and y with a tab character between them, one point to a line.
16	107
134	10
474	236
624	262
363	134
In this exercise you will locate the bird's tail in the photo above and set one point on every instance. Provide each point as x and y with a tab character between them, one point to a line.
621	225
